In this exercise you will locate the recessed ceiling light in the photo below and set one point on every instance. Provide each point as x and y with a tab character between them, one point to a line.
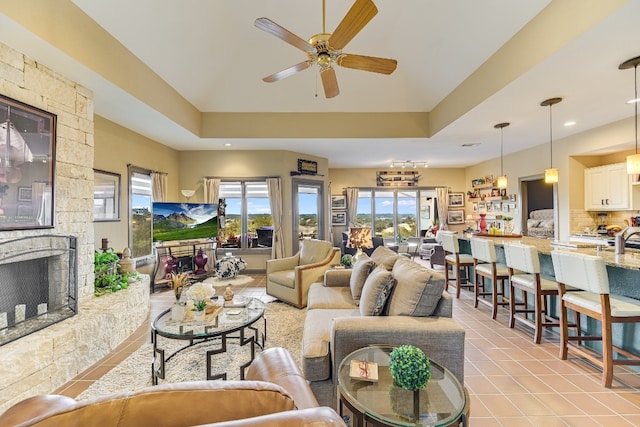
570	123
227	144
470	144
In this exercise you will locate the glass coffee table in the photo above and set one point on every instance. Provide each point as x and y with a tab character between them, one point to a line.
232	322
444	402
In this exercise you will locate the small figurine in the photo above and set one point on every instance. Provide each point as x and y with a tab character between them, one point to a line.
228	294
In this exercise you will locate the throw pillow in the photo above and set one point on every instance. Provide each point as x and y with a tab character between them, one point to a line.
418	289
376	291
384	256
359	275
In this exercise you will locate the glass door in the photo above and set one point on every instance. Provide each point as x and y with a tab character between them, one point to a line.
308	206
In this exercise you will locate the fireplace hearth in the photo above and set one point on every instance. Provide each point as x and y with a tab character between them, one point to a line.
38	284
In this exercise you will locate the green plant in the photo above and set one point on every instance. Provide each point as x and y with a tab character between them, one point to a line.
410	367
108	277
199	305
347	260
507	218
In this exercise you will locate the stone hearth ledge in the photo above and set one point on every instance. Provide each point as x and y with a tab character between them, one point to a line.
45	360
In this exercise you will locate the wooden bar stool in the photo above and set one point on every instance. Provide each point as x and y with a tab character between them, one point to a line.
458	262
588	274
524	275
485	266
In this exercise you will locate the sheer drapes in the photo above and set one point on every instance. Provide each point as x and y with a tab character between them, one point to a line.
352	206
275	201
159	186
211	190
442	194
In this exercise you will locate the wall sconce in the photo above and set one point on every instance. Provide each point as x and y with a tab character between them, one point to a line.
502	179
551	174
409	164
633	161
188	194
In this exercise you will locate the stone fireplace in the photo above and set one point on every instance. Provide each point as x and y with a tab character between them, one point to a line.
38	284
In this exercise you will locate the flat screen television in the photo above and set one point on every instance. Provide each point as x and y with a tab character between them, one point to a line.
182	221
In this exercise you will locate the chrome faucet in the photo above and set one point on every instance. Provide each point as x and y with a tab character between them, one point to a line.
622	237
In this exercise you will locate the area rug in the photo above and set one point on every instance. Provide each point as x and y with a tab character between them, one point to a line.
283	329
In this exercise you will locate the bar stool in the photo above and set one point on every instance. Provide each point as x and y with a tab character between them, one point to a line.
486	266
588	274
524	274
458	262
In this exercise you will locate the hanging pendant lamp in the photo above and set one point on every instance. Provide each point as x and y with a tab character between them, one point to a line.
633	161
502	179
551	174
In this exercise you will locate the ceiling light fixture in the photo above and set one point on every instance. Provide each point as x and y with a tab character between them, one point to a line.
409	164
633	161
551	174
502	179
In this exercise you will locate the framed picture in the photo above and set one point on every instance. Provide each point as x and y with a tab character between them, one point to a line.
307	167
512	197
106	196
338	218
28	161
455	217
338	202
474	207
456	200
503	193
489	207
24	194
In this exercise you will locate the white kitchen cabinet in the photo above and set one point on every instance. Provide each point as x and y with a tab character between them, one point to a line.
607	188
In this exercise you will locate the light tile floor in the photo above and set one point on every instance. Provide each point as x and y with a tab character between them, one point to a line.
511	380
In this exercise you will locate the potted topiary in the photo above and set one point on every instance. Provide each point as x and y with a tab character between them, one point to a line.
347	260
411	370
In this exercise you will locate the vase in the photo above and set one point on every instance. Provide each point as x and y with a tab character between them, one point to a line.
198	316
483	222
177	311
200	260
228	294
508	227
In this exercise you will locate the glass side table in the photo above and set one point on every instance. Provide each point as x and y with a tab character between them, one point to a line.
444	402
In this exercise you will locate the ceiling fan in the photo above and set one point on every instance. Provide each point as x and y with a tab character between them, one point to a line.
325	49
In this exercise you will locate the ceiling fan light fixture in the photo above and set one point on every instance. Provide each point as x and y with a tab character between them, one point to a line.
633	161
502	179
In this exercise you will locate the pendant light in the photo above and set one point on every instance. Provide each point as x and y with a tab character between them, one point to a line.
502	179
633	161
551	174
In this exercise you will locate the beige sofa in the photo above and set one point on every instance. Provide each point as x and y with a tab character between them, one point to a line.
274	394
343	317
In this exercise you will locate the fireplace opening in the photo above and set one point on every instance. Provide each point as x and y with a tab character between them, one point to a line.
38	284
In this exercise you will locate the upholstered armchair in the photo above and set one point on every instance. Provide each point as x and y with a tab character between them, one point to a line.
289	279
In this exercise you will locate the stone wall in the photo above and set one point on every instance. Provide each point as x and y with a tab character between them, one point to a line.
32	83
45	360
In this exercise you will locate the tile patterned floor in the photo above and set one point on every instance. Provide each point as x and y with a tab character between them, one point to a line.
511	380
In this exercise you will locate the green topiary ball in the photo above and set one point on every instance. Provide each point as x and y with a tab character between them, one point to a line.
410	367
347	260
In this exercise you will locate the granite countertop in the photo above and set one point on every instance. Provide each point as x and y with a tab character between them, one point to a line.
629	260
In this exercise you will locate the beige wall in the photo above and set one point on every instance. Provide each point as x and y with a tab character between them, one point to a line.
115	148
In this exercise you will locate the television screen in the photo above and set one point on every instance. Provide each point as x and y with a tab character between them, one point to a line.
181	221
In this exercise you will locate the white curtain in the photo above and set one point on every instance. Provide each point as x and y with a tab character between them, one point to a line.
352	205
159	186
275	201
211	190
442	195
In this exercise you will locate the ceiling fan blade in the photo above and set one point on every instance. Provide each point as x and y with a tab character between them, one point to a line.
266	24
367	63
356	18
288	72
329	82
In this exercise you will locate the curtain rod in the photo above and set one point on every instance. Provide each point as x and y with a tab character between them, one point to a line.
129	165
252	178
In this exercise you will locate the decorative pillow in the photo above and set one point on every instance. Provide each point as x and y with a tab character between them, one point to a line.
384	256
548	223
418	289
376	291
359	275
360	237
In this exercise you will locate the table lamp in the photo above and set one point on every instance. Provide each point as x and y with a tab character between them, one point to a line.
359	238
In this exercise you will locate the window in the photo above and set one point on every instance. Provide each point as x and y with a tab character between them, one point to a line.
391	213
247	210
140	226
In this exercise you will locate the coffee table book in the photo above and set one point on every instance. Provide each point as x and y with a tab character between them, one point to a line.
358	372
